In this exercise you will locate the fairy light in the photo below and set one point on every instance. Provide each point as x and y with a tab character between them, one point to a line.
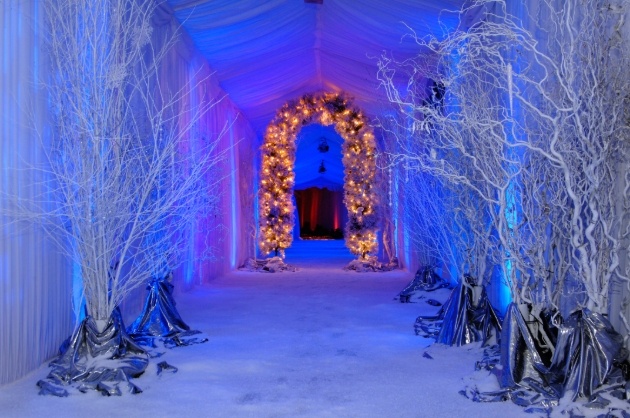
278	178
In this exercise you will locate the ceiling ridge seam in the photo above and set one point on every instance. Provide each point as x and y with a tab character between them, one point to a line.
317	49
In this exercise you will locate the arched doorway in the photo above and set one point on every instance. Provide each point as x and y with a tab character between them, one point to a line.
321	213
318	189
277	176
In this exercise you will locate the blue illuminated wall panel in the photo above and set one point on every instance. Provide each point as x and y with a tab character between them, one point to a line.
35	279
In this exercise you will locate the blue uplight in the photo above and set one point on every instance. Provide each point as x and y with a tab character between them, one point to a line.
234	197
78	299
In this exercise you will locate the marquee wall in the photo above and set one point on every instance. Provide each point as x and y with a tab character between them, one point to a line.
36	280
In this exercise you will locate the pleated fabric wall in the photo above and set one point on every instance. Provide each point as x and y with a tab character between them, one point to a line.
35	279
232	241
227	230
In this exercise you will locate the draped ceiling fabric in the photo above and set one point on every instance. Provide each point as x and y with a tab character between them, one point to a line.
266	53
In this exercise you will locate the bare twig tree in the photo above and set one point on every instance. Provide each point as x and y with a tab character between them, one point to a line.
535	123
462	144
130	173
432	216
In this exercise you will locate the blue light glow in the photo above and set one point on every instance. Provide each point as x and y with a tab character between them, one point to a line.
395	208
189	265
78	301
505	294
256	183
234	197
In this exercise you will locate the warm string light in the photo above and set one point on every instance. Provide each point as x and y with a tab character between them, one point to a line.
277	175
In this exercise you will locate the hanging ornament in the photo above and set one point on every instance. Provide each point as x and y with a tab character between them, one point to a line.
322	167
323	145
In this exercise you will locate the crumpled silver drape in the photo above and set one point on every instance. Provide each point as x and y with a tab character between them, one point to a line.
160	318
92	360
523	354
589	352
459	321
425	280
541	360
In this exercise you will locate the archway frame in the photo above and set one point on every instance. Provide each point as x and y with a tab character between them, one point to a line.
277	176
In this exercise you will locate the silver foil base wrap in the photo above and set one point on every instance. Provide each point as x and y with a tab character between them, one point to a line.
160	319
425	280
589	353
92	360
525	355
541	361
465	317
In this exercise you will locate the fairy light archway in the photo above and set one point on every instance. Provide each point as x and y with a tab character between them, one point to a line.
277	175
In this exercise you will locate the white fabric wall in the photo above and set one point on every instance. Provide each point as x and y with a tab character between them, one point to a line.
232	242
35	279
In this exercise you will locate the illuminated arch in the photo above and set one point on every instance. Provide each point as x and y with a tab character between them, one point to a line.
277	175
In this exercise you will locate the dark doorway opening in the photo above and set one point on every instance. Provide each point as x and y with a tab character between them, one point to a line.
321	213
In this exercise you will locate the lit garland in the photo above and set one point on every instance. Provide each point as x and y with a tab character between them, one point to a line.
278	177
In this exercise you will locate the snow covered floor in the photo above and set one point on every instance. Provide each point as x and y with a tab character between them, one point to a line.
320	342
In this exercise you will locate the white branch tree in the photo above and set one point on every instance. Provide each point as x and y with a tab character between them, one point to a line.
129	174
461	142
535	123
435	219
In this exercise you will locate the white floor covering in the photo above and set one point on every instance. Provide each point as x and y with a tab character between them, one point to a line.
320	342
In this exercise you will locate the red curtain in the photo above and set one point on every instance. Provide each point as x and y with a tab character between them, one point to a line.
321	212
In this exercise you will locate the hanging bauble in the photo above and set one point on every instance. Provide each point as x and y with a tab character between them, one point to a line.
322	167
323	145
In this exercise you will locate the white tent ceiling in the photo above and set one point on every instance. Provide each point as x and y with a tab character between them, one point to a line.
268	52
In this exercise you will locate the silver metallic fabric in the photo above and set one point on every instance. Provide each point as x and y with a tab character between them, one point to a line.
460	320
160	319
542	360
92	360
523	354
589	353
425	280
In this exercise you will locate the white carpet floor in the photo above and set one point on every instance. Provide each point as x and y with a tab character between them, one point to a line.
320	342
